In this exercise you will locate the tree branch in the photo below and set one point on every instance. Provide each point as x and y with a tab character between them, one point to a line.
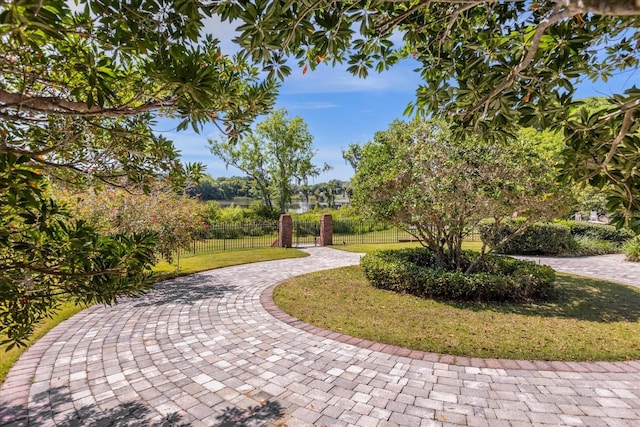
524	63
387	26
627	121
600	7
59	106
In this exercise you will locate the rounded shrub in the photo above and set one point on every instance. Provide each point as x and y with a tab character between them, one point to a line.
605	232
538	239
587	246
496	279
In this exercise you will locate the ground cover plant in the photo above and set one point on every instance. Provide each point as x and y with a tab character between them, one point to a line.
163	270
585	320
631	249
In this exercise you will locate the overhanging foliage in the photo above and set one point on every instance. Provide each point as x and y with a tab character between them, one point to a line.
489	67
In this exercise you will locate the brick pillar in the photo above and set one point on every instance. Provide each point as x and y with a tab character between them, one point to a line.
326	230
285	236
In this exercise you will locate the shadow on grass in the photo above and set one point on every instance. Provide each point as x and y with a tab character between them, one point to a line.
577	298
46	408
183	290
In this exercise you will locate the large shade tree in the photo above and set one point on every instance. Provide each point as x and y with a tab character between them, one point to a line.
490	67
417	177
276	155
81	86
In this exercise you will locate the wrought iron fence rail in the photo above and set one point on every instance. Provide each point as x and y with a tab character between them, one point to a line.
247	235
228	236
346	231
305	232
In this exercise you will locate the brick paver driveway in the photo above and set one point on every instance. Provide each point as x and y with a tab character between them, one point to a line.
210	349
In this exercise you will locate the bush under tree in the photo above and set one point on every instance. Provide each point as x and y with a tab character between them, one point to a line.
497	278
631	249
174	219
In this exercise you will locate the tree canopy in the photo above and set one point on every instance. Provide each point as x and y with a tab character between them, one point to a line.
82	88
438	189
488	67
278	154
352	155
224	188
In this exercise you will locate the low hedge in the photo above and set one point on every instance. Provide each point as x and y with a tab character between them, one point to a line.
538	239
557	238
498	278
605	232
589	246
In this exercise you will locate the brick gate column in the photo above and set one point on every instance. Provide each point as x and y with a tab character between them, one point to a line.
326	230
285	231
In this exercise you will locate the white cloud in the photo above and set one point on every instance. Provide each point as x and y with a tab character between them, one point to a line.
326	79
311	105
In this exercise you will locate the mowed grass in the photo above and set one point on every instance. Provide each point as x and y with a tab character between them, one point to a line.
587	319
164	270
210	261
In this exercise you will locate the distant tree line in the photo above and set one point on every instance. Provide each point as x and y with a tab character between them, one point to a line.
224	188
230	188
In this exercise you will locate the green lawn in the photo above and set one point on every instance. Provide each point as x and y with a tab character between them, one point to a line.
189	265
587	319
209	261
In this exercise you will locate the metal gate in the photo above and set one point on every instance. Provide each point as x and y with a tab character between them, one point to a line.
305	232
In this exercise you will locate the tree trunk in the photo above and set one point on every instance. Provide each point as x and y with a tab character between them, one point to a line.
283	190
474	264
602	7
264	192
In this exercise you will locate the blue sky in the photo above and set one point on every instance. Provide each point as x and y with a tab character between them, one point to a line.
338	108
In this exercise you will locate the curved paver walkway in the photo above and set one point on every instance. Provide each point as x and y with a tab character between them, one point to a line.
609	267
207	350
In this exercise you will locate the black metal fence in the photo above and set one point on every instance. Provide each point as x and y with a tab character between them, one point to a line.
246	235
347	231
228	236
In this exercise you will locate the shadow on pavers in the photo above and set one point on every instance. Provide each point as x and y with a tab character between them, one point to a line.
260	415
183	290
48	405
